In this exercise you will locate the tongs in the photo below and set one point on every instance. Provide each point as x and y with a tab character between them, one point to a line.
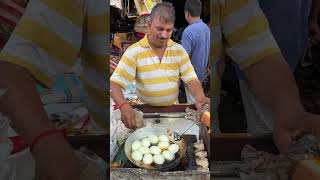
178	137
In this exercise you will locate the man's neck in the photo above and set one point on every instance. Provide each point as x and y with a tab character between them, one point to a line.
193	19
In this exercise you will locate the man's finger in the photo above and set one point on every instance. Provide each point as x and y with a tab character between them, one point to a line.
197	106
126	123
129	123
133	121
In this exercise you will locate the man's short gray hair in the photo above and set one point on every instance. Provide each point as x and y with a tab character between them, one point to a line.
165	11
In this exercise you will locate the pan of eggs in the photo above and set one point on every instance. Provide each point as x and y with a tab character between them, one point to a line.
155	148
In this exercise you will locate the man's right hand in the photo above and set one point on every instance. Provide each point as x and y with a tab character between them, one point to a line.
128	116
55	159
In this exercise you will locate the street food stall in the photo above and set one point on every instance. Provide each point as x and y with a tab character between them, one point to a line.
190	160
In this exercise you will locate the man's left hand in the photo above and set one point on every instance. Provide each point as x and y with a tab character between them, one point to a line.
303	122
202	102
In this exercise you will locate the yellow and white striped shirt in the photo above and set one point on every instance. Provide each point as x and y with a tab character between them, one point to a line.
157	82
48	39
239	29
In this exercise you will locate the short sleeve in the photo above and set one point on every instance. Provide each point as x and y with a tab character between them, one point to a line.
125	72
186	40
246	32
46	40
186	69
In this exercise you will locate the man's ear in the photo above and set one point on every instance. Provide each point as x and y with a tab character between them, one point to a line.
149	22
149	25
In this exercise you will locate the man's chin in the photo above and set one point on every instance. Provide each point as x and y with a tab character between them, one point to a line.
161	45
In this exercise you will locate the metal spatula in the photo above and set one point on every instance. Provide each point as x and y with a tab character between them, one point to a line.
156	115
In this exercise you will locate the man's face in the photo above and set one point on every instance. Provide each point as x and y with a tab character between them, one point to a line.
160	32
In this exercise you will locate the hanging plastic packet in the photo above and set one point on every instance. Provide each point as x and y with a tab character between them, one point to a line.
144	7
132	11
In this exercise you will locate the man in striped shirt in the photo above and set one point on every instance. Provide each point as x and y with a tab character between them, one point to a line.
240	29
45	44
156	63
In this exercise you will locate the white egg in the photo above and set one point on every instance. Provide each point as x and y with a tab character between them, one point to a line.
163	138
163	145
146	142
173	148
153	139
136	155
158	159
135	145
155	150
168	155
147	159
143	150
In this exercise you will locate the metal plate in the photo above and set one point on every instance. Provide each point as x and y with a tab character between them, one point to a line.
147	131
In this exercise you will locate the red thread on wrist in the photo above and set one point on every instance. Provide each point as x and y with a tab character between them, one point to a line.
44	135
123	104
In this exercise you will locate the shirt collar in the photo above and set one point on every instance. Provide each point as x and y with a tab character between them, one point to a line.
199	20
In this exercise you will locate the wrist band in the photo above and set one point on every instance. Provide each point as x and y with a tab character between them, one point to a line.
122	104
45	134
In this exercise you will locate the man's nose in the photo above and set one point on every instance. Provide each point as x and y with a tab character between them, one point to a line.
164	34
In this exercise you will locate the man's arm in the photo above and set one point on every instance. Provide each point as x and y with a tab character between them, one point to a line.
22	105
123	75
274	84
127	113
116	93
251	44
189	77
196	90
22	102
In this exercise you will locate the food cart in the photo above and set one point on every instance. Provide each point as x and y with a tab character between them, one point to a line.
123	168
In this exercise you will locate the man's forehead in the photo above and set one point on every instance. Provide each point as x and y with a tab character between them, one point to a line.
161	20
